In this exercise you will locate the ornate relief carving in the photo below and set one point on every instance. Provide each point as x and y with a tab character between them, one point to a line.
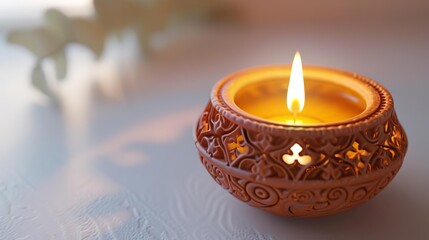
246	162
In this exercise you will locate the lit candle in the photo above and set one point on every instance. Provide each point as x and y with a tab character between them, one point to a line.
296	91
295	97
328	96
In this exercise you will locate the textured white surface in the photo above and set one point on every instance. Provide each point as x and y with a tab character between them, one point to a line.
127	169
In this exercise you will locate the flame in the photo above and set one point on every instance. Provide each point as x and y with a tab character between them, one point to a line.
295	92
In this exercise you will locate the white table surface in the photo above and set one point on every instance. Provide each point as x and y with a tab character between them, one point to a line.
119	162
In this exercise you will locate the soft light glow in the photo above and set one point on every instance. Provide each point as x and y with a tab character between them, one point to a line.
295	92
296	150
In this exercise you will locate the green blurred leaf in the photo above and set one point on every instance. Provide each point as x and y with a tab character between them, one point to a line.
40	41
112	17
60	62
38	79
58	24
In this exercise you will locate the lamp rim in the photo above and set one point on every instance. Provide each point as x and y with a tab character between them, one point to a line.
377	111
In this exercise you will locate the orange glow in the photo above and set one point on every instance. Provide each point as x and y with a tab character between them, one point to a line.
296	93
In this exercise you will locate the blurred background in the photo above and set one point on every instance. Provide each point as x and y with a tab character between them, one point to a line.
98	100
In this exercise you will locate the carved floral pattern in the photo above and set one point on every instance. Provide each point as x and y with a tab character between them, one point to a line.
244	161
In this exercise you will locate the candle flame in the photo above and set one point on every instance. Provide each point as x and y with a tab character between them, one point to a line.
295	93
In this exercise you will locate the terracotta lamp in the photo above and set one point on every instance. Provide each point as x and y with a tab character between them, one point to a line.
301	151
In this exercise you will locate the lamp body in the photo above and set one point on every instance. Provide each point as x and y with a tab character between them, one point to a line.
351	161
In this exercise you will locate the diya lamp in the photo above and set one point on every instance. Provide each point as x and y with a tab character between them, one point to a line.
300	151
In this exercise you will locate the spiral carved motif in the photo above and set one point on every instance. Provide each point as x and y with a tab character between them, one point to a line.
259	163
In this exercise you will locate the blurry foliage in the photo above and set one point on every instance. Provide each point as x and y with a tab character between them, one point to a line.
49	42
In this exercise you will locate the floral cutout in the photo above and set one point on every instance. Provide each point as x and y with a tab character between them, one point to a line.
356	154
291	158
237	147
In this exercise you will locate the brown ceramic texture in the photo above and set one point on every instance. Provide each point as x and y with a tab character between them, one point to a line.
351	161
